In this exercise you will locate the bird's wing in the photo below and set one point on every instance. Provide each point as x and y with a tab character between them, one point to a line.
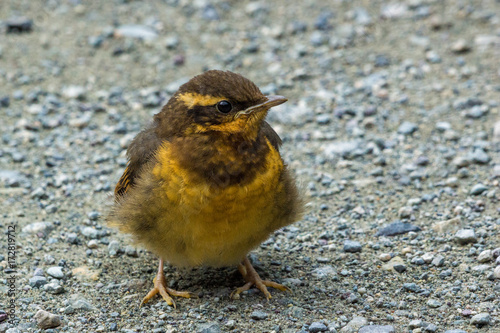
140	151
271	135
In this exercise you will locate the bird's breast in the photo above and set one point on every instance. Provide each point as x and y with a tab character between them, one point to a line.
215	221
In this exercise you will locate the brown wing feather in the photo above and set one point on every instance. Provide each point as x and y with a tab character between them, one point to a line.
140	152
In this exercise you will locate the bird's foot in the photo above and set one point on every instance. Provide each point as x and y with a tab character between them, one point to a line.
160	286
253	279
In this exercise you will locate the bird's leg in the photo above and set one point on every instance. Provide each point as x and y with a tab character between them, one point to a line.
252	277
160	286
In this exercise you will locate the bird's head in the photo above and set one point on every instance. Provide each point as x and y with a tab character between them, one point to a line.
219	101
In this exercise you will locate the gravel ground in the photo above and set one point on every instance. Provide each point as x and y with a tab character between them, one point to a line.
392	127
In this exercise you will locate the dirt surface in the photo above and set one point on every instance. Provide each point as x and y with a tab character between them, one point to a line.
393	115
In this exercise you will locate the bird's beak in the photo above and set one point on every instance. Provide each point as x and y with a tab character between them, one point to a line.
271	101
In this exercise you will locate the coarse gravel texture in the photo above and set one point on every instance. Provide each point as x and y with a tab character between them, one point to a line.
392	127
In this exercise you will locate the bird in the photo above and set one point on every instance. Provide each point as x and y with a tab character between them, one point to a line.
205	182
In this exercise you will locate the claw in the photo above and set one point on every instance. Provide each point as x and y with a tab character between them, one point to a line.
253	279
160	286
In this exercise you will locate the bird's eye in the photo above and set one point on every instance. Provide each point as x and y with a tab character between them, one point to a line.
224	106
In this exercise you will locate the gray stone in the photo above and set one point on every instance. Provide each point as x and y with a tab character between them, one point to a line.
324	271
114	248
377	329
317	327
433	303
37	281
45	320
55	272
397	228
352	246
90	232
53	288
485	256
407	128
478	189
481	319
415	323
354	325
438	261
77	302
136	31
496	272
39	227
208	328
455	331
465	236
259	315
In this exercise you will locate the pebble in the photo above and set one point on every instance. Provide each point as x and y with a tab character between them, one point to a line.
37	281
481	319
352	246
323	272
39	227
90	232
377	329
407	128
136	31
397	228
385	257
259	315
496	272
434	303
19	25
76	303
114	248
46	320
317	327
55	272
211	327
53	288
448	225
461	46
485	256
438	261
354	325
465	236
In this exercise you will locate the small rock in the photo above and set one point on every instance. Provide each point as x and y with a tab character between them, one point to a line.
434	303
74	92
396	264
259	315
415	323
438	261
83	273
448	225
455	331
19	25
405	212
377	329
385	257
46	320
485	256
478	189
481	319
465	236
352	246
78	302
37	281
208	328
55	272
460	46
39	227
397	228
317	327
496	272
114	248
411	287
323	272
136	31
407	128
354	325
90	232
53	288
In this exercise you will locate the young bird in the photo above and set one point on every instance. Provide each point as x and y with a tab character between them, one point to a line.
205	182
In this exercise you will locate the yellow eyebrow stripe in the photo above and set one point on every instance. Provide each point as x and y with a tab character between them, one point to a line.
194	99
